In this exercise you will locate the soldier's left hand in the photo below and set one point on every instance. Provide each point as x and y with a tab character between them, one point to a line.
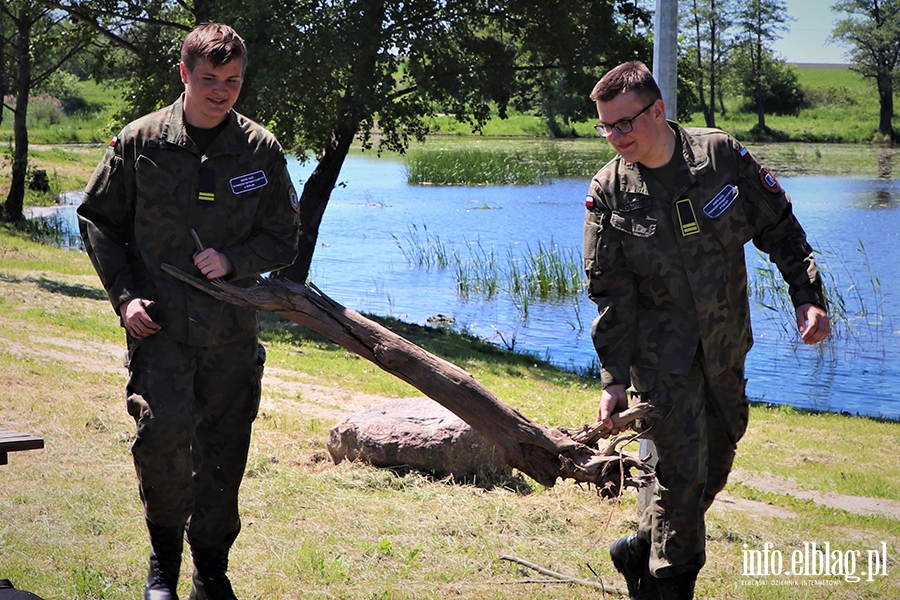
212	263
813	323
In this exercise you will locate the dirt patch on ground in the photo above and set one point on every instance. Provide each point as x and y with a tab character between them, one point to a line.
287	390
82	355
751	507
855	504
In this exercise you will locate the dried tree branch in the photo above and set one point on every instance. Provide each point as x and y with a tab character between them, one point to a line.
543	453
565	578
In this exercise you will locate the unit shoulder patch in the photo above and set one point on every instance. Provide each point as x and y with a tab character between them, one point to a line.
768	181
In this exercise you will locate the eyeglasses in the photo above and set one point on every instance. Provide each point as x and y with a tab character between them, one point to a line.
624	126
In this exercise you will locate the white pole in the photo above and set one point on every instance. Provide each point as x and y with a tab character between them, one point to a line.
665	71
665	53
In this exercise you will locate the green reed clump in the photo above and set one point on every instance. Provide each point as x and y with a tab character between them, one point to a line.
423	249
548	272
478	273
855	306
51	230
470	166
554	272
531	165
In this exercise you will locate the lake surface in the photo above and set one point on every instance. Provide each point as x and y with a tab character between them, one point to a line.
853	222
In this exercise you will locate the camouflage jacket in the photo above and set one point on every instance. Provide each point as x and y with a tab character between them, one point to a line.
667	271
153	186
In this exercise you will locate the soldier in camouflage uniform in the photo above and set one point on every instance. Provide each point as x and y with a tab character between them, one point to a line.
664	235
195	167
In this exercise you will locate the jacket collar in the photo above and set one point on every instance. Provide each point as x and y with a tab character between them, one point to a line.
632	181
230	141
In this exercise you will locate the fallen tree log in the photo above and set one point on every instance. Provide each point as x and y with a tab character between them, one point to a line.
543	453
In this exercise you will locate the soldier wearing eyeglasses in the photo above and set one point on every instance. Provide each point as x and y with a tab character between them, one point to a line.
666	224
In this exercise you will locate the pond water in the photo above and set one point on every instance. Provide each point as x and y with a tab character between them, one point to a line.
853	222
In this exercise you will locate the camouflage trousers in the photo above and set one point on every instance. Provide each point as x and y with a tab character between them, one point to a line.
699	421
194	408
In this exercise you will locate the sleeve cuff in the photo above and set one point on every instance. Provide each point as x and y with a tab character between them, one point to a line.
615	376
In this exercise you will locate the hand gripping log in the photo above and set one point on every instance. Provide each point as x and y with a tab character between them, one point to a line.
542	453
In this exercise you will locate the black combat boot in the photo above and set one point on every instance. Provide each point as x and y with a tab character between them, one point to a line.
631	557
210	581
165	562
680	587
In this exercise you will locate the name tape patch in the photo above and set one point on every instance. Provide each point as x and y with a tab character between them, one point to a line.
249	182
720	202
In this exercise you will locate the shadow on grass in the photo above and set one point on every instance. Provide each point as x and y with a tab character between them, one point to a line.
486	480
58	287
73	291
453	346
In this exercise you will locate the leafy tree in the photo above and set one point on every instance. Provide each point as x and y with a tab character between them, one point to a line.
779	85
324	73
36	43
760	23
707	24
872	29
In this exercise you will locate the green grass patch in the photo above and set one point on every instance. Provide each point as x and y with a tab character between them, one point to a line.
83	118
843	109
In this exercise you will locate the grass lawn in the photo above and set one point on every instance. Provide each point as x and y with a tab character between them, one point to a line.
71	524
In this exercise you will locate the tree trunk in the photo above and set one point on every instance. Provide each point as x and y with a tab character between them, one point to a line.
316	193
700	82
12	208
317	190
711	109
543	453
886	101
760	105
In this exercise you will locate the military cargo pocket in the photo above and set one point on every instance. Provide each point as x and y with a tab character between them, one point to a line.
731	226
593	226
636	225
149	179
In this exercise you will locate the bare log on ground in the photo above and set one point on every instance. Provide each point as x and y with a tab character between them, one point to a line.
543	453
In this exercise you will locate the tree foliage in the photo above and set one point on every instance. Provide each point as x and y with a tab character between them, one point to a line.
872	30
759	24
708	32
779	83
35	42
324	73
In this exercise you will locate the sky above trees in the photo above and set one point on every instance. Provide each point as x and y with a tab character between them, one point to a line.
806	42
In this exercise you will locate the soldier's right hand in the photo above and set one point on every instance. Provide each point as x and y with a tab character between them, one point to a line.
613	399
135	318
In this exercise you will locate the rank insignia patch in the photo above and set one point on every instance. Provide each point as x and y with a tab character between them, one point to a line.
768	180
207	188
687	218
